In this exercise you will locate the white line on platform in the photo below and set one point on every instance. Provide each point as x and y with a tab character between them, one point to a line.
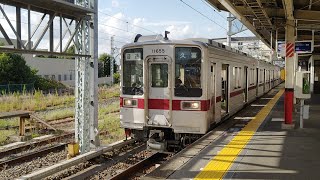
243	118
266	98
258	105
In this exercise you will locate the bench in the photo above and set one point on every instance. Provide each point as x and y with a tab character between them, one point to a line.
23	115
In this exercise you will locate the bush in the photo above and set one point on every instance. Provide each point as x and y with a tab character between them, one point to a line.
14	70
116	78
46	84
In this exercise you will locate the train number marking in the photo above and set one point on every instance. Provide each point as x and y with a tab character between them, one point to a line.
158	51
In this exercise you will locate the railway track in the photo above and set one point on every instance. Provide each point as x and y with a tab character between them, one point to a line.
105	165
31	155
85	167
51	122
25	147
142	167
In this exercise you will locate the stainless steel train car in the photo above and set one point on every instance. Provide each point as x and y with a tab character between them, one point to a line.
173	91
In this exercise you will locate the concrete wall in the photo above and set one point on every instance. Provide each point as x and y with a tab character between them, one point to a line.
62	70
52	68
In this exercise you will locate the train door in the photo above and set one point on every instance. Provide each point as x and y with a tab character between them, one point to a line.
159	100
225	90
264	80
246	84
212	91
257	82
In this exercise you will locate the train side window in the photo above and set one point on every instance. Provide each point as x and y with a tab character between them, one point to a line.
261	76
237	77
251	78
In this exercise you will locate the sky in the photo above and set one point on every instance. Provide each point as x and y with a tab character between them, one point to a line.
156	16
123	19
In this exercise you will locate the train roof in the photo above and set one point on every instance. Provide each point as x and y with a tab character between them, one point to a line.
158	39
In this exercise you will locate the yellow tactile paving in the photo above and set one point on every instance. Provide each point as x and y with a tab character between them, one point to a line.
221	163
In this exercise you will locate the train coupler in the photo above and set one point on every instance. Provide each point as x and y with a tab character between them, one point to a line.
156	141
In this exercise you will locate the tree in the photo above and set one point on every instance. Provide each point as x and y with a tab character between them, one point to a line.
13	69
71	49
104	67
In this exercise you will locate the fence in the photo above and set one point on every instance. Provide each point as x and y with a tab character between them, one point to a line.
10	88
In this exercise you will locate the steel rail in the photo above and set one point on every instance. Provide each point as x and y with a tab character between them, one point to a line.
42	173
132	170
24	147
31	155
100	167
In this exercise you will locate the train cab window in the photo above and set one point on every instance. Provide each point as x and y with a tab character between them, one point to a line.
187	72
132	72
159	75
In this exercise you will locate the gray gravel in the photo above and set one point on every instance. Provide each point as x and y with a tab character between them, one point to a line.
34	165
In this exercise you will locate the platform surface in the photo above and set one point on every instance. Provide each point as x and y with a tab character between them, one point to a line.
271	153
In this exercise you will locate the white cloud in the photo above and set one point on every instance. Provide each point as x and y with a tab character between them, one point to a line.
180	31
117	25
165	23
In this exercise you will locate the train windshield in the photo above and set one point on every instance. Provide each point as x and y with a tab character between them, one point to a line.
132	72
187	72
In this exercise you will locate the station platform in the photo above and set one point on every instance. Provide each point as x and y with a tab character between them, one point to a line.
253	145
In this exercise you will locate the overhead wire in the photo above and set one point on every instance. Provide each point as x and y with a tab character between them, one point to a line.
202	14
210	18
206	3
128	22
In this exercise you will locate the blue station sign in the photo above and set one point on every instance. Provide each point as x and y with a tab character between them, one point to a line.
303	47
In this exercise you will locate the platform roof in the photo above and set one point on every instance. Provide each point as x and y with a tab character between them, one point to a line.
67	9
265	16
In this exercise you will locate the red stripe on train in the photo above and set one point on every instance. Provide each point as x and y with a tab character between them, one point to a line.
218	99
158	104
251	88
236	93
121	102
163	104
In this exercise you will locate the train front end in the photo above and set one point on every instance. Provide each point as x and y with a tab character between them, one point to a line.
162	97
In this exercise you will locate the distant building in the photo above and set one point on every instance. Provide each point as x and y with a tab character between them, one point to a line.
62	70
250	45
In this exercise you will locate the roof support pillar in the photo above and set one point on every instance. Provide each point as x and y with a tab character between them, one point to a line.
290	61
18	25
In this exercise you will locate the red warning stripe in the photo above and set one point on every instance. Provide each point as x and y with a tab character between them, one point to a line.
289	49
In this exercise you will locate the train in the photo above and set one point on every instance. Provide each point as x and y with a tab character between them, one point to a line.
174	91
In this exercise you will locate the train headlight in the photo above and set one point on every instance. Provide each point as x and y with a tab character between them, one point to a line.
190	105
130	102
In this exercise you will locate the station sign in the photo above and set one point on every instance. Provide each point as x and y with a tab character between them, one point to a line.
304	47
300	47
281	48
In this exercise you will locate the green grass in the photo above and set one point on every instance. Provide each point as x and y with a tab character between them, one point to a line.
4	136
58	114
106	92
110	122
9	122
38	101
33	102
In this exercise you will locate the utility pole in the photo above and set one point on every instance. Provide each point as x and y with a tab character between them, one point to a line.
229	33
112	58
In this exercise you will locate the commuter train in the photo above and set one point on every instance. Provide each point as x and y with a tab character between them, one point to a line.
174	91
